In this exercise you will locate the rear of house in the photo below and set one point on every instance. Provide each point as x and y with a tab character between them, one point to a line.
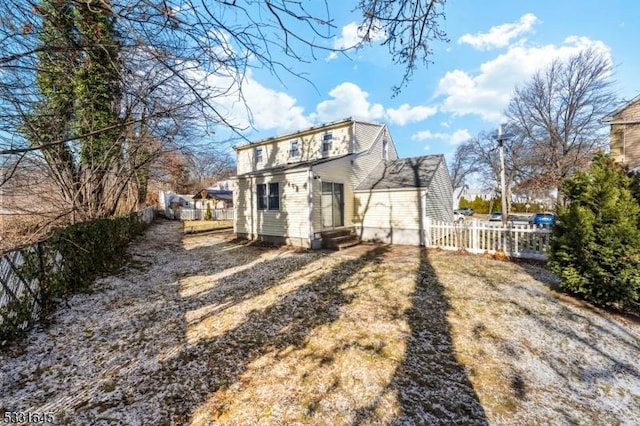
293	188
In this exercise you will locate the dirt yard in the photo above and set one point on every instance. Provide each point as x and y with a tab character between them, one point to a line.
203	330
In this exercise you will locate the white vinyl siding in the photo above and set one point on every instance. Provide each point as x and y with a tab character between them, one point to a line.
364	135
338	171
292	218
365	162
390	209
277	152
439	205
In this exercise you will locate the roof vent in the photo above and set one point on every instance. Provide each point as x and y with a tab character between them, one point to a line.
397	167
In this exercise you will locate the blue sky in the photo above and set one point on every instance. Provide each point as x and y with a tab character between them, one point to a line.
494	46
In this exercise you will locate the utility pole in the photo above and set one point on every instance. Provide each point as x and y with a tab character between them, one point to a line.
503	189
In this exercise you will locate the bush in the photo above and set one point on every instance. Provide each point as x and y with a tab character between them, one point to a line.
207	213
596	246
67	262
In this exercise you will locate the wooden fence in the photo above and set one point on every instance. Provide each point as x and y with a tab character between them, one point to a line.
522	241
20	298
185	213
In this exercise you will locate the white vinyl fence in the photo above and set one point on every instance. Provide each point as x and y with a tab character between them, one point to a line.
522	241
20	296
186	213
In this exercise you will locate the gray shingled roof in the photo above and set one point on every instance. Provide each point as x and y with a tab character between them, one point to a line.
415	172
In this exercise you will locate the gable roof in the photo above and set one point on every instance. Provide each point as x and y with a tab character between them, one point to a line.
415	172
611	116
213	194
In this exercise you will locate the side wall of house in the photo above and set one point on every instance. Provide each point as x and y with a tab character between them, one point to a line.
364	162
390	216
278	152
625	138
439	201
289	224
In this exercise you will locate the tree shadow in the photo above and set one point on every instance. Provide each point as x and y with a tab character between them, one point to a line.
432	387
270	328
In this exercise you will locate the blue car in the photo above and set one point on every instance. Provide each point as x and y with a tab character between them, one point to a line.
547	219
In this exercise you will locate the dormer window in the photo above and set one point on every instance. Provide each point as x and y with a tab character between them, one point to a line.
326	143
258	154
294	151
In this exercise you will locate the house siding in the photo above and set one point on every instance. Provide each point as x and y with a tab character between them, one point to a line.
440	191
276	151
391	216
625	138
290	224
338	171
364	162
364	135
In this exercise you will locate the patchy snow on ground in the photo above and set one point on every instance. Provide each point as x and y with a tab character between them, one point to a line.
205	329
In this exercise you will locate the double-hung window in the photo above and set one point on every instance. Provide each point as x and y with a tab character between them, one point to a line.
258	154
326	143
294	151
268	196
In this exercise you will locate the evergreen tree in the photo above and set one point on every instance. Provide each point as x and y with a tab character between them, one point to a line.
596	246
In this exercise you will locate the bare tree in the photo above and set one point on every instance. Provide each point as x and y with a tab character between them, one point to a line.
464	164
171	64
557	114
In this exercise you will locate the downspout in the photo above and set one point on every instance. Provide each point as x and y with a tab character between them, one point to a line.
310	178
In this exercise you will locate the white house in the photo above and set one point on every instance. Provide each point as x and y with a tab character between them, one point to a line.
342	175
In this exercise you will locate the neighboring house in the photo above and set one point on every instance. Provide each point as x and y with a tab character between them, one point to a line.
222	185
171	200
293	188
217	199
625	133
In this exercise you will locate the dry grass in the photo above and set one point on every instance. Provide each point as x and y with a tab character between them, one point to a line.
196	226
215	331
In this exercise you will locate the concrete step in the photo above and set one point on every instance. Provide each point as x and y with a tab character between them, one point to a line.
339	239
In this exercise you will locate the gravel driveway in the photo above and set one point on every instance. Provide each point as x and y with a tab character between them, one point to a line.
208	330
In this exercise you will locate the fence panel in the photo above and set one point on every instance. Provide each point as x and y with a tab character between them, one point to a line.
20	297
524	241
199	214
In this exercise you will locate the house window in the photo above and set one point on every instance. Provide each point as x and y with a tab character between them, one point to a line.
385	150
274	196
294	151
261	191
326	142
258	155
268	196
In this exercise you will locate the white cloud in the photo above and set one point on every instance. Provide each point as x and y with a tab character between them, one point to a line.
488	92
349	100
454	138
501	35
352	37
255	104
407	114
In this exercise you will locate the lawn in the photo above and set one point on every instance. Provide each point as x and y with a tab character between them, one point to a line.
204	329
196	226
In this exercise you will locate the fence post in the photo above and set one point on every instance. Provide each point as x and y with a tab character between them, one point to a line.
474	236
427	232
